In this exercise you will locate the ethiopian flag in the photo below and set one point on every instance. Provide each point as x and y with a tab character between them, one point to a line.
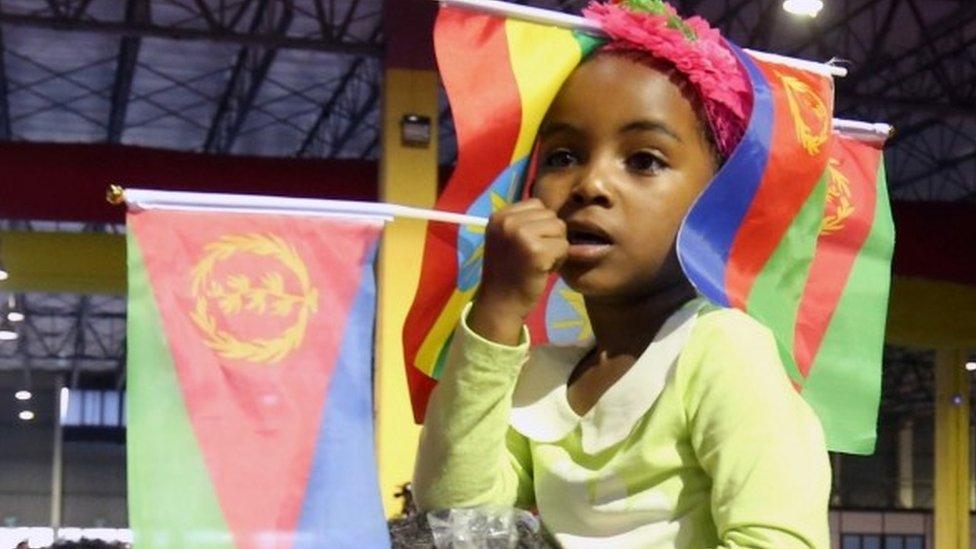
249	381
500	75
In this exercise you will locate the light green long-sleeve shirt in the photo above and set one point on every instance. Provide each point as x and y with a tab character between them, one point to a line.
702	443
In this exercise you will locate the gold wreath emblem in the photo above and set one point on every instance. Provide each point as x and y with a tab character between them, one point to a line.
237	293
839	205
805	104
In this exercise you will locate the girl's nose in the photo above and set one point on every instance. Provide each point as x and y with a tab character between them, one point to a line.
593	188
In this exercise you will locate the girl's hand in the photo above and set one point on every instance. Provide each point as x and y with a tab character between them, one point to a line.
524	243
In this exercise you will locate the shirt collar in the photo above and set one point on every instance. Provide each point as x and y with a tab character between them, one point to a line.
540	407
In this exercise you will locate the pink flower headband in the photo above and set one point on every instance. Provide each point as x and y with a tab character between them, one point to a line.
696	50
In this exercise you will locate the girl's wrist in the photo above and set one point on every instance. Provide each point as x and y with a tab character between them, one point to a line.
496	320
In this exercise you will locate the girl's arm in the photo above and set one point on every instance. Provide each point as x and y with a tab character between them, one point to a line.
468	454
755	437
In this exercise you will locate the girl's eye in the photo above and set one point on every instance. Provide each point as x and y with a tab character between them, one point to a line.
561	158
645	162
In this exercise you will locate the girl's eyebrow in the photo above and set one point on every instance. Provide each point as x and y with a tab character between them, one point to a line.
559	127
651	126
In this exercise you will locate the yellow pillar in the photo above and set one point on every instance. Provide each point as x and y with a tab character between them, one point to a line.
408	175
951	450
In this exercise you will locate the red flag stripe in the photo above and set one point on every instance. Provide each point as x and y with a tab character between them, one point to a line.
790	176
837	250
478	68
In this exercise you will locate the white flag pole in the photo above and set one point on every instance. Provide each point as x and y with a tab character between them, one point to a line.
144	199
875	132
573	22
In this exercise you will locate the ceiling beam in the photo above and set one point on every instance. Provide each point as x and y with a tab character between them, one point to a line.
939	166
5	132
882	62
343	28
356	120
936	106
328	108
153	30
248	75
79	342
136	11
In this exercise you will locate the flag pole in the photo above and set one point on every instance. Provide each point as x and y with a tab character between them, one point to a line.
875	132
145	199
574	22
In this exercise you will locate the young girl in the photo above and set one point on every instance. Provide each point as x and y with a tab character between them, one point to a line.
678	427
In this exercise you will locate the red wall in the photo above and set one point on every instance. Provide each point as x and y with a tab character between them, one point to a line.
936	240
68	182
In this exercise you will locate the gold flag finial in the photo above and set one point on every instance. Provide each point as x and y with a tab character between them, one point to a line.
115	195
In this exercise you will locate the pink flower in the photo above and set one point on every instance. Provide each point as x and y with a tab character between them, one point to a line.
705	61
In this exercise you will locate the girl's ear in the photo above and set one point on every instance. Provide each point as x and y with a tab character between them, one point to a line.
531	171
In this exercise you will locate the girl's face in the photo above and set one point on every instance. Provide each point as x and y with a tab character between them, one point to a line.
622	156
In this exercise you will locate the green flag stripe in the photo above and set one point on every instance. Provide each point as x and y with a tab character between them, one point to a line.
442	356
172	502
843	386
776	293
587	42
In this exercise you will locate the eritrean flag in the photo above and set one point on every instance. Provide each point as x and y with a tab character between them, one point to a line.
840	327
501	75
796	230
249	381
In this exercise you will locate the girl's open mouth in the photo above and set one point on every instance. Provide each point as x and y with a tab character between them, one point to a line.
587	243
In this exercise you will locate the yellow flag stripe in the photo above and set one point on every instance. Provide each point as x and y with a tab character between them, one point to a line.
542	58
441	330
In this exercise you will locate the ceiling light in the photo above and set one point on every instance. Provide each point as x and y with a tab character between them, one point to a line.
809	8
14	312
971	366
22	394
65	395
26	415
7	330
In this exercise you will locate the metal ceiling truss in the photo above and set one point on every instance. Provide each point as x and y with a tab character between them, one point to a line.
4	103
74	104
347	124
252	100
324	132
136	12
68	333
212	20
247	77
